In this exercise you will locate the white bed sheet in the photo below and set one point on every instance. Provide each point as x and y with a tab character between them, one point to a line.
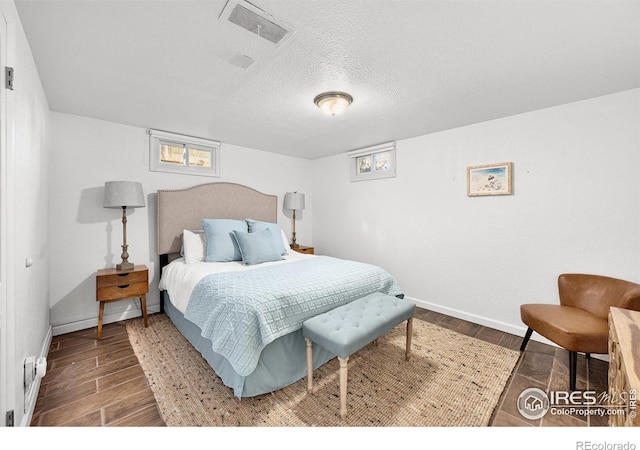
179	278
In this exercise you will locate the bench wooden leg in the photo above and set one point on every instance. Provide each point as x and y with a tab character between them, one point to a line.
309	365
343	385
407	354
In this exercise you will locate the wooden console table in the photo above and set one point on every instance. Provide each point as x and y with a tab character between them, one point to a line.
624	366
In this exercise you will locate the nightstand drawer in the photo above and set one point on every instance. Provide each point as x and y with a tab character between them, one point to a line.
304	249
122	278
122	291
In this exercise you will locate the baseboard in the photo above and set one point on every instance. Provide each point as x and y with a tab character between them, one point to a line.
487	322
31	395
480	320
108	318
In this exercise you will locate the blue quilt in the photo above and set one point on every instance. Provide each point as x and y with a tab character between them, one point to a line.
242	312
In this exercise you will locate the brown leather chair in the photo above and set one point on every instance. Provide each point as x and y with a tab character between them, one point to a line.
580	323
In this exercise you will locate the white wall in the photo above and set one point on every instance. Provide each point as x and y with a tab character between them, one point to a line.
86	237
575	208
28	144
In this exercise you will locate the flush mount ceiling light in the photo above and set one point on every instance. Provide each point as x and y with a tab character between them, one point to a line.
333	102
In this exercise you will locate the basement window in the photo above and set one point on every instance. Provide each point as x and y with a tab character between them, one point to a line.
373	163
177	153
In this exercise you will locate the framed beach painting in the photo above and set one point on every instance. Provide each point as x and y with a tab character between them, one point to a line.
489	179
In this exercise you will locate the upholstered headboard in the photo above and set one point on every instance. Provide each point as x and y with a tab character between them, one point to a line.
184	209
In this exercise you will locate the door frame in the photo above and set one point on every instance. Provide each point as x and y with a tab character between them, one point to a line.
7	336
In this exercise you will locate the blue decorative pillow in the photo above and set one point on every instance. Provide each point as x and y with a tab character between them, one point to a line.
257	247
276	232
221	245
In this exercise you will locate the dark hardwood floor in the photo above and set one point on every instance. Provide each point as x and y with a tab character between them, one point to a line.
95	383
542	366
100	383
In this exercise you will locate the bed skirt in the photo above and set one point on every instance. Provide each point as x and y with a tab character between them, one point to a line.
282	362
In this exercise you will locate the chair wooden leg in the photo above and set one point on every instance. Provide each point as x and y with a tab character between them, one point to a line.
573	365
526	338
588	355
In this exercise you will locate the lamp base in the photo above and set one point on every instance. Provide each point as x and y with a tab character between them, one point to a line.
125	265
294	245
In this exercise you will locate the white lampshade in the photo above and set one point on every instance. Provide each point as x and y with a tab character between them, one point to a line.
118	194
294	200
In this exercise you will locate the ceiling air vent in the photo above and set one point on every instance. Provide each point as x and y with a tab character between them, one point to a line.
255	20
242	61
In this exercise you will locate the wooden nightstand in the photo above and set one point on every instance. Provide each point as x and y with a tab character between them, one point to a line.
304	249
113	285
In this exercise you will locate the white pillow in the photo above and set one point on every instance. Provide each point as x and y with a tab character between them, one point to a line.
194	245
285	241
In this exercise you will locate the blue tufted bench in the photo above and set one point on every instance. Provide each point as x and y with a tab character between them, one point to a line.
346	329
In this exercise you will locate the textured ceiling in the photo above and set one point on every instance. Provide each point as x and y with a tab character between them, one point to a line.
413	67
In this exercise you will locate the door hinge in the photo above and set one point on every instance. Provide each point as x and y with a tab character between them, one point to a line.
9	420
8	71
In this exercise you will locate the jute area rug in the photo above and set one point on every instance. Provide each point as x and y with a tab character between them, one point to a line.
451	380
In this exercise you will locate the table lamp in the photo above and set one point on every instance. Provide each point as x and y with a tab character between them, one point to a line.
123	194
294	201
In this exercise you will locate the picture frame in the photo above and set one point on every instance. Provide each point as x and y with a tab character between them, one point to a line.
490	179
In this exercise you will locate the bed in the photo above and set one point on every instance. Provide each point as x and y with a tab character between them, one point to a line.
243	311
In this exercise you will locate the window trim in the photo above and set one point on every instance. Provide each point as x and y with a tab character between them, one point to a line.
355	155
156	138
